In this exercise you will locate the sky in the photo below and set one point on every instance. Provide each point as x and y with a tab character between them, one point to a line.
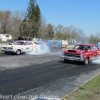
82	14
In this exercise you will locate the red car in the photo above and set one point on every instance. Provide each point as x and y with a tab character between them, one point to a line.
81	52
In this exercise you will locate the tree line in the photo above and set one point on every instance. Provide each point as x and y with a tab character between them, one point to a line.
32	23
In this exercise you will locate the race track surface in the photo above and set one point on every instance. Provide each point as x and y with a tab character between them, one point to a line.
42	74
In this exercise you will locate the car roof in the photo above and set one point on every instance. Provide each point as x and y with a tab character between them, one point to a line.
86	44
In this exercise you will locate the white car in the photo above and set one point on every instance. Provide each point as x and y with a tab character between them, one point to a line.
20	46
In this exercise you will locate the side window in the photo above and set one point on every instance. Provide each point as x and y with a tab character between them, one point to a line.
25	43
86	48
92	48
7	35
96	48
30	43
76	47
89	48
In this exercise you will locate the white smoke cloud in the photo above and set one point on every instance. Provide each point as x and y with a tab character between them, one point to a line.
97	61
44	49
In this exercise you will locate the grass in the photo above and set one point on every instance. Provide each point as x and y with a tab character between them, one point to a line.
0	50
68	47
3	42
89	91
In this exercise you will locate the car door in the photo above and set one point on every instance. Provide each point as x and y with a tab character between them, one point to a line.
94	50
30	44
89	51
26	47
97	51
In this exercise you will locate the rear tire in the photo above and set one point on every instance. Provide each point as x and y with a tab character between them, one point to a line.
90	60
18	52
86	61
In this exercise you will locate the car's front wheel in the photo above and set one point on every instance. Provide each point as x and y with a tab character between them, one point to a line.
6	53
86	61
65	60
18	52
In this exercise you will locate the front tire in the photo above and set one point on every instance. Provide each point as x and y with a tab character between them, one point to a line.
6	53
18	52
65	60
86	61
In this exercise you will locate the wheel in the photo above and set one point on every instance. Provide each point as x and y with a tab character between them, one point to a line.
6	53
18	52
86	61
65	60
89	60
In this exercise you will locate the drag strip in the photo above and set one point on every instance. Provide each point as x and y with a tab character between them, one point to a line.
38	74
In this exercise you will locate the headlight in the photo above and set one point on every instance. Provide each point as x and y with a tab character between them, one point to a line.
81	55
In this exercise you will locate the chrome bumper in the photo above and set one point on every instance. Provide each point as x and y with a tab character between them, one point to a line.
7	50
72	58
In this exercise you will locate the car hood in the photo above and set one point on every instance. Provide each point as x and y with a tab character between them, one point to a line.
11	45
73	51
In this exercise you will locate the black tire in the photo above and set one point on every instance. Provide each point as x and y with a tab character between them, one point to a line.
90	60
6	53
86	61
18	52
65	60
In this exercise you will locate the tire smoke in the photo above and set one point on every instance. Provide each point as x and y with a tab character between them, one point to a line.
38	51
97	61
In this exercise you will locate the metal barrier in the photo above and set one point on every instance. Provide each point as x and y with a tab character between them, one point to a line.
54	43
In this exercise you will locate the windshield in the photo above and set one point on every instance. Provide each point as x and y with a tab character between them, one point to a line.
82	47
23	43
20	43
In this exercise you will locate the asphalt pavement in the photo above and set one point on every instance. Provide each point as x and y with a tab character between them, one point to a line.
24	77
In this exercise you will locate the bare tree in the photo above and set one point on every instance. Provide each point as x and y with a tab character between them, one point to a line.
94	38
14	24
4	21
59	31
